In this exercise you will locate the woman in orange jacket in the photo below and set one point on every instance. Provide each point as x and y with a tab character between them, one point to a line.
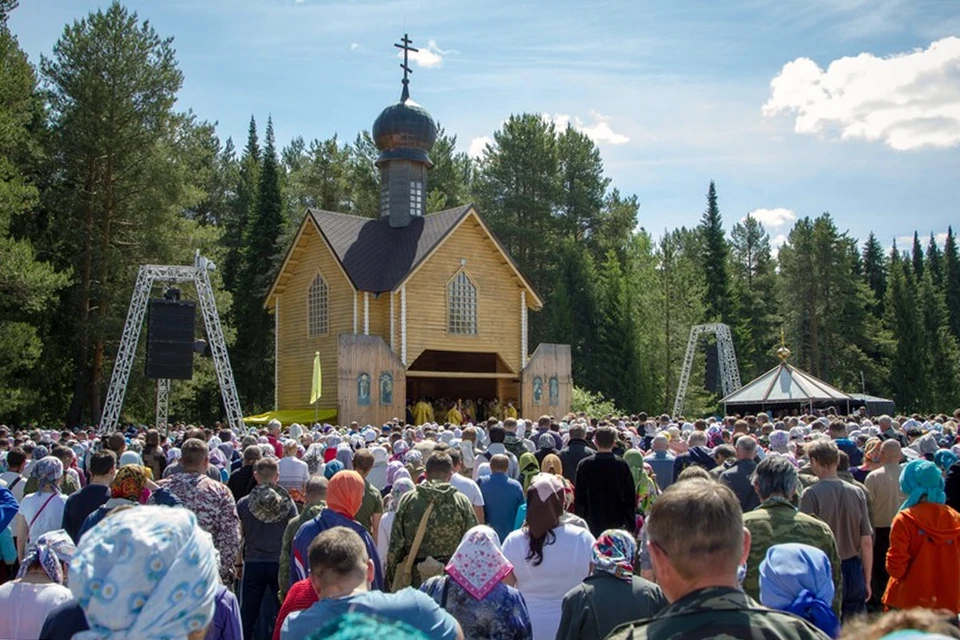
924	556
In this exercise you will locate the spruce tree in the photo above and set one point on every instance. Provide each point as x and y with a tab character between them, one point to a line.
951	281
754	280
935	260
875	272
242	208
714	256
917	255
902	318
259	260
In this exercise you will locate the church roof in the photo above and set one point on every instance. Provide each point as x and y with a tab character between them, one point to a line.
377	257
785	384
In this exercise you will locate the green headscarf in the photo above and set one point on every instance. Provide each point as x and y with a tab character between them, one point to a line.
529	467
635	459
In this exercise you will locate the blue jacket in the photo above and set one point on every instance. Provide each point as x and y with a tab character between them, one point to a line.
328	518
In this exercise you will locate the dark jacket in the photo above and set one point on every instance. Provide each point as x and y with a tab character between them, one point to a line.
952	487
700	456
571	455
738	478
242	482
602	602
604	493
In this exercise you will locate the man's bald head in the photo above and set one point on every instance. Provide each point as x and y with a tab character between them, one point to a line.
890	452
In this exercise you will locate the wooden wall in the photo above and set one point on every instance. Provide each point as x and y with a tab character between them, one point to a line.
498	298
548	361
372	356
309	257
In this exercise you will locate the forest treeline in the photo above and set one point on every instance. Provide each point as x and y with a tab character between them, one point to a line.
100	173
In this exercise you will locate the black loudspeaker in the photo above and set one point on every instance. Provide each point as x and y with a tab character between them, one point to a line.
170	339
711	381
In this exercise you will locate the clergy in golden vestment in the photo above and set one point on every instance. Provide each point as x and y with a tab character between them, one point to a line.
454	416
510	411
422	412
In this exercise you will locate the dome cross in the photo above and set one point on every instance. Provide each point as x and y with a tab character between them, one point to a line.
404	44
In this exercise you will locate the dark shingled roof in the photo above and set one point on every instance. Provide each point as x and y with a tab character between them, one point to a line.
377	257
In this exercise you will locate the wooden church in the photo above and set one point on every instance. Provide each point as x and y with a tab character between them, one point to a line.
409	305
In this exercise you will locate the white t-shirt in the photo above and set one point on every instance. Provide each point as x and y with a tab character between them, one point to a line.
50	518
467	487
294	473
8	477
25	607
565	564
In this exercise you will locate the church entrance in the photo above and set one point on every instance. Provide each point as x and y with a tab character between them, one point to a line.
443	378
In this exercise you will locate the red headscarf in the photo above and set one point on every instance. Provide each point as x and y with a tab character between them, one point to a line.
345	493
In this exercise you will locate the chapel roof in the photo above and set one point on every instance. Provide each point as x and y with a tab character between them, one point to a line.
377	257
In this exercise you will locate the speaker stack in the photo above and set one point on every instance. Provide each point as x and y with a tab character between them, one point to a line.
170	325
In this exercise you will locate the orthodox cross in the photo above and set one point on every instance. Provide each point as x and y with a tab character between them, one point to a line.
406	42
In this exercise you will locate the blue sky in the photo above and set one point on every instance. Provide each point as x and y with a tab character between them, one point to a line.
862	118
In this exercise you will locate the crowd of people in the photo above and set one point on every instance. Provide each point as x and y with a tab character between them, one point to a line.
575	528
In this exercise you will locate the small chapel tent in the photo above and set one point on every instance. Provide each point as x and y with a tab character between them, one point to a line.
785	389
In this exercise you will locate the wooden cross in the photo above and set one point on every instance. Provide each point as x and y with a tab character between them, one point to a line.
406	42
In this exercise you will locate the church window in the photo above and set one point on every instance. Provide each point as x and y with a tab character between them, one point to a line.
462	305
416	198
317	306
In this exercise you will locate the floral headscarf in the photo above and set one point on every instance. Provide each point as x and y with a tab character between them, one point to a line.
614	552
51	551
129	483
478	565
146	573
48	472
392	468
400	487
314	457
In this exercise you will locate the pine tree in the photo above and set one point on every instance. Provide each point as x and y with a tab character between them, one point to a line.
875	272
951	279
113	83
259	261
714	256
242	208
616	344
27	285
917	255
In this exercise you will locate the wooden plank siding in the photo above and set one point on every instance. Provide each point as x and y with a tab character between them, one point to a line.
370	355
295	346
547	361
498	298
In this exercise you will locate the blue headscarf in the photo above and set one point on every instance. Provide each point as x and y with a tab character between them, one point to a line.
945	458
921	479
332	467
798	579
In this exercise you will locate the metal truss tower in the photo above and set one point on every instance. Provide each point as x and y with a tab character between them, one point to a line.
726	356
150	274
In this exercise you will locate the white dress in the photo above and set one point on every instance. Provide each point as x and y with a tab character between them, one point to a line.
25	606
383	537
565	564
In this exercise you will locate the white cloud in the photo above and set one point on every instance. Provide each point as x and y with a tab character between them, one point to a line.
599	131
429	57
776	242
478	145
908	101
773	218
353	45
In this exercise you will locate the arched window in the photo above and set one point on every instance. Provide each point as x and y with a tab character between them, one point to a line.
317	307
462	305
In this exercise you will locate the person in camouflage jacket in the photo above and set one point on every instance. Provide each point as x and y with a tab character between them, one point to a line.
697	543
777	520
316	495
452	517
